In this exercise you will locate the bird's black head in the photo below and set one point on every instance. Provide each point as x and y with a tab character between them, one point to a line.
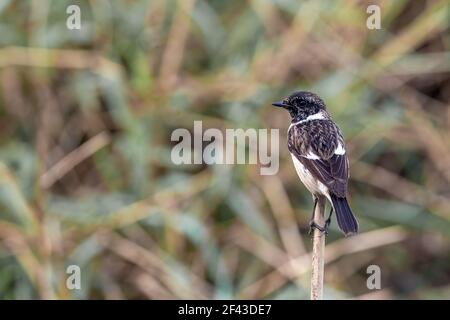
302	104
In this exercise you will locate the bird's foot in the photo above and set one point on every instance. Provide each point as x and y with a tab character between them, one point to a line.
313	225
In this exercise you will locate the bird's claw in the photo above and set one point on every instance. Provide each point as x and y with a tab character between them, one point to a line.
313	225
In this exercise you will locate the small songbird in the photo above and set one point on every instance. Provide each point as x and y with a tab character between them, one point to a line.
318	151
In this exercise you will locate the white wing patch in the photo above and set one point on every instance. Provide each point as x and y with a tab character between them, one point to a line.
339	150
311	155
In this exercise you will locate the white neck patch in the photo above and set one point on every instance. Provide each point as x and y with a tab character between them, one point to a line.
317	116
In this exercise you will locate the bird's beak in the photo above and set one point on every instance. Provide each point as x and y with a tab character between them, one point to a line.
280	104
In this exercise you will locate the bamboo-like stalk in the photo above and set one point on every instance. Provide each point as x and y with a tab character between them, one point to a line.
318	252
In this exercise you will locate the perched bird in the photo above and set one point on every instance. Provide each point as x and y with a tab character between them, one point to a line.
319	155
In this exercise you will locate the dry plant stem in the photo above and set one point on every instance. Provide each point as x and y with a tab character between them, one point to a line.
67	163
318	252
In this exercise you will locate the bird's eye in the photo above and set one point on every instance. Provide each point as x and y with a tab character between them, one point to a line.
302	103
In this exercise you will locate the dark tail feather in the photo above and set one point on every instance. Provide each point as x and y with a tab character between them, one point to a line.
345	218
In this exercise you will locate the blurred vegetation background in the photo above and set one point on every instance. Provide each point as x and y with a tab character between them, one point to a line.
85	171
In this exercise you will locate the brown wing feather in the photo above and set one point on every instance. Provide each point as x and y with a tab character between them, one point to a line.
321	138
